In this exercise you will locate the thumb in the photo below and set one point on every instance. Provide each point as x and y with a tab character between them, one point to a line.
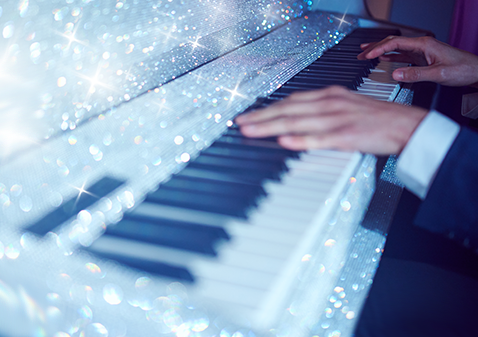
417	74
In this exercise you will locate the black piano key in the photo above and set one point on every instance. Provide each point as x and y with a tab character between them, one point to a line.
237	163
364	72
317	78
319	83
204	173
168	233
328	74
214	187
350	61
88	197
207	202
339	63
324	72
353	52
246	153
253	142
237	133
250	175
149	266
244	144
346	48
285	92
161	220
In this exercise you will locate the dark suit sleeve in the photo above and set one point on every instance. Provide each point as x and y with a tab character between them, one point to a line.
451	206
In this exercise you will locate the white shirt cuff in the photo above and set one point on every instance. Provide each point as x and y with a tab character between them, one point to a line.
425	151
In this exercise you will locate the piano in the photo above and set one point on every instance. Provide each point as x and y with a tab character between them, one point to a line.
132	205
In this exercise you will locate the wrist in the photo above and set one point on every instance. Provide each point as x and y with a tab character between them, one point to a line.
422	156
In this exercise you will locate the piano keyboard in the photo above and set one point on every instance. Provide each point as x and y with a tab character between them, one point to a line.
235	222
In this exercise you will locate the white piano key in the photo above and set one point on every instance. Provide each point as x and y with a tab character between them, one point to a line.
206	270
264	233
270	219
332	154
251	261
246	296
309	166
299	188
258	247
321	160
154	210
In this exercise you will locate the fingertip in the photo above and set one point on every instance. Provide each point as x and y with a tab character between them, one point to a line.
244	118
365	45
398	75
240	119
248	130
289	142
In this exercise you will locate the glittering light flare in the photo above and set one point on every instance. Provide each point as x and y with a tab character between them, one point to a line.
95	82
82	190
234	92
70	35
169	34
195	43
269	15
161	106
341	20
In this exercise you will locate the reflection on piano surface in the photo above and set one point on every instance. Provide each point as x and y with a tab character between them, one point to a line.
144	210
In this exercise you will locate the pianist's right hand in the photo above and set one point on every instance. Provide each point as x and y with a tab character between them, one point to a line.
335	118
432	60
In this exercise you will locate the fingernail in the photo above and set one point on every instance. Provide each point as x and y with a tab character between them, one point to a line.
248	129
398	75
239	119
364	45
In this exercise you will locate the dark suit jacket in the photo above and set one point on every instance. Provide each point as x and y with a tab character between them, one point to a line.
451	206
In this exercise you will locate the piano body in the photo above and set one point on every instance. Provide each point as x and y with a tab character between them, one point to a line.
131	206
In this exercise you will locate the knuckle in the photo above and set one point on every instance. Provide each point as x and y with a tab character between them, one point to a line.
290	123
427	41
337	90
285	124
413	74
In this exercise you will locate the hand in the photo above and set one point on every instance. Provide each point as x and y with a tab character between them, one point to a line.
433	60
335	118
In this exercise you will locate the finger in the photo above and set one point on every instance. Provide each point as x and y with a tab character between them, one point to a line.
296	104
364	46
418	74
392	43
403	58
316	141
315	95
296	125
342	139
278	110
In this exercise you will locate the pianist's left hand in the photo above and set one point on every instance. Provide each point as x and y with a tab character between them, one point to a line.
335	118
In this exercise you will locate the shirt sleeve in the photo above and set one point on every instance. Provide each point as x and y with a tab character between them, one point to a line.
421	158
